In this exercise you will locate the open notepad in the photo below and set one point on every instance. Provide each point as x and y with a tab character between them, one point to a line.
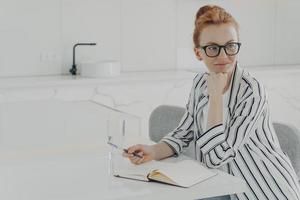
183	173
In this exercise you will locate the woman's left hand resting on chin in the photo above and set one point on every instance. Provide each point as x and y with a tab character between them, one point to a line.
216	83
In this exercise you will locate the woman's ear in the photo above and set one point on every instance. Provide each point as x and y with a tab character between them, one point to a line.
198	53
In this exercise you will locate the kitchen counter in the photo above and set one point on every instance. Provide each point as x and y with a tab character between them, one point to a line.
68	80
139	93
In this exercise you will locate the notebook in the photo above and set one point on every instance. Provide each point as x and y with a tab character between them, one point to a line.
183	173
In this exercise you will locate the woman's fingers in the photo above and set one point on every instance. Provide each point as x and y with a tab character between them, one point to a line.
127	155
216	83
141	160
135	148
135	160
143	151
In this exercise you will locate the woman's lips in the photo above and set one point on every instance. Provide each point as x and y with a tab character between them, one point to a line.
221	65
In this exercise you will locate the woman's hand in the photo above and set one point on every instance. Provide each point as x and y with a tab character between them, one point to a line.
147	153
216	82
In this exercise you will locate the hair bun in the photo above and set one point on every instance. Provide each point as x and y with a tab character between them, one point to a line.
207	8
211	14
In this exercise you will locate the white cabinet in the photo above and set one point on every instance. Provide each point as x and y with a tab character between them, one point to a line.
134	93
140	98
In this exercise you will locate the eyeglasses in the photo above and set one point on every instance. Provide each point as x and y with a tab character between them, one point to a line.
213	50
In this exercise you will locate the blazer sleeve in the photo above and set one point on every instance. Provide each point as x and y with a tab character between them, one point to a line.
181	136
216	147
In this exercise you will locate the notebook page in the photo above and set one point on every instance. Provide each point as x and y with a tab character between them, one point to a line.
139	172
186	172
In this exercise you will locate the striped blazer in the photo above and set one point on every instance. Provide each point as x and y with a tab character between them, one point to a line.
246	144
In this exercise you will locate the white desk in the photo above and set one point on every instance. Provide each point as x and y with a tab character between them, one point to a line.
69	160
84	176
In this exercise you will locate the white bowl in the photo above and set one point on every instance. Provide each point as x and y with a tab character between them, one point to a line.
109	68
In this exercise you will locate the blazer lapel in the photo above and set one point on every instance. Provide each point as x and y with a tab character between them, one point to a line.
203	97
203	101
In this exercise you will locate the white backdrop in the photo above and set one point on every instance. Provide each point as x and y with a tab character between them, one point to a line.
36	37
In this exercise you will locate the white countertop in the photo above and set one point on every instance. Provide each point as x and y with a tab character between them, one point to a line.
264	72
68	80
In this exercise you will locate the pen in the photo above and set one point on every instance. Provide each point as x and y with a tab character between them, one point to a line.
125	150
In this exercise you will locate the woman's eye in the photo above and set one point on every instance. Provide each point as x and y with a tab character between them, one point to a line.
213	48
230	46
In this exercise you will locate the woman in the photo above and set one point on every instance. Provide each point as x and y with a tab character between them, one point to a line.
227	117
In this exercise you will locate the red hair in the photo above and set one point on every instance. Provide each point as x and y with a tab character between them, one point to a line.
208	15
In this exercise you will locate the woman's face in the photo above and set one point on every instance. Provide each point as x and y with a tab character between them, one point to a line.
218	35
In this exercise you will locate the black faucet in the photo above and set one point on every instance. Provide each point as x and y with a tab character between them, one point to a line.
73	70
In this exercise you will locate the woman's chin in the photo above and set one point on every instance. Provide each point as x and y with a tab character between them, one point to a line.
223	69
220	68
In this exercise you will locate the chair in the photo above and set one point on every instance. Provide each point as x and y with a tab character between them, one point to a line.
165	118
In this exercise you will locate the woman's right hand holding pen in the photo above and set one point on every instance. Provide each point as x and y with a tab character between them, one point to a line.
146	153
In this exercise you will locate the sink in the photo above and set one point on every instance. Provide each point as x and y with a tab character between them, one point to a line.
106	68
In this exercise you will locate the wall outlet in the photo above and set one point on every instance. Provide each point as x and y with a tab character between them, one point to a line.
49	56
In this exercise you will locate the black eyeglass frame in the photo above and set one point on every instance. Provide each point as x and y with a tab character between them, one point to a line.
220	47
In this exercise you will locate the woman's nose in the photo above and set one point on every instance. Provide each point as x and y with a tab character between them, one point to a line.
222	54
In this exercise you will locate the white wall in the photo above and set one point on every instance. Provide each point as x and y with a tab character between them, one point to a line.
287	32
90	21
36	37
148	34
27	29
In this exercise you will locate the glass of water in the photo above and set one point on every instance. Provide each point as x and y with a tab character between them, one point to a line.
116	128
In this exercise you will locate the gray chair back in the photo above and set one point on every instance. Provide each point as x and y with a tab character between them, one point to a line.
165	119
289	139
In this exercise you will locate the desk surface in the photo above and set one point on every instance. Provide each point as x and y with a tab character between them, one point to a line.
85	176
68	158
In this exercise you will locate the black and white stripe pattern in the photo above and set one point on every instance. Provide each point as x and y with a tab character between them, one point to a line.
247	143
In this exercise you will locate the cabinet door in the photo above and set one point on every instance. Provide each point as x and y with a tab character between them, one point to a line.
143	97
287	32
